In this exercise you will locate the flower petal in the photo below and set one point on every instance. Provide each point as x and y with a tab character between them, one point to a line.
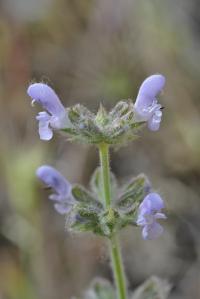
62	199
141	221
146	106
149	89
45	131
153	231
155	200
160	216
62	208
46	96
155	120
60	122
52	178
145	206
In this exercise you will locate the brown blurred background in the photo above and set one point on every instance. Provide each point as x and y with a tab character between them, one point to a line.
92	51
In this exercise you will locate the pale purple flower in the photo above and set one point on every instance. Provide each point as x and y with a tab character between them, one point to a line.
146	105
56	118
53	179
149	212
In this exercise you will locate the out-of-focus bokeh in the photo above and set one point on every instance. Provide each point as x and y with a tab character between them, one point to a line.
91	52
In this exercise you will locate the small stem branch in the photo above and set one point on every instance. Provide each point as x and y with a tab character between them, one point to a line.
115	252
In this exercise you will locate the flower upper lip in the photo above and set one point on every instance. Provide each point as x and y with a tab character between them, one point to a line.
62	196
146	106
46	97
57	116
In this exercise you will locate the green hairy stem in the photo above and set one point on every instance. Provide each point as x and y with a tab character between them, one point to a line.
115	252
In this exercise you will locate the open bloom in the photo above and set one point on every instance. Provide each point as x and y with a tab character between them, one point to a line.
56	118
146	105
149	212
53	179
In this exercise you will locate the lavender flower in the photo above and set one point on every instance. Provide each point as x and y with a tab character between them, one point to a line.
146	105
57	117
149	212
62	196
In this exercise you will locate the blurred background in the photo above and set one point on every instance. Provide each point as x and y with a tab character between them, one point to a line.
95	51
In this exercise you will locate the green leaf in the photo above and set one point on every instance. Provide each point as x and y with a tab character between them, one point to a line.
70	131
100	289
75	222
102	118
82	219
134	192
137	125
82	226
84	196
74	115
87	212
153	288
120	109
131	197
97	186
89	129
78	112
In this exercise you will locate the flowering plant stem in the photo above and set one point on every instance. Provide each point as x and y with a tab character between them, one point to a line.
115	252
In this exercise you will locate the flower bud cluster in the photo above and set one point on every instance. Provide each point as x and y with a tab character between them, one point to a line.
114	128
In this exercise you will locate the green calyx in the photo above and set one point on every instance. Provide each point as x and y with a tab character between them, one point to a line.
90	214
117	127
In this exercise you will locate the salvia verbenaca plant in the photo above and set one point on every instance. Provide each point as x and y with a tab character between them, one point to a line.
105	208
